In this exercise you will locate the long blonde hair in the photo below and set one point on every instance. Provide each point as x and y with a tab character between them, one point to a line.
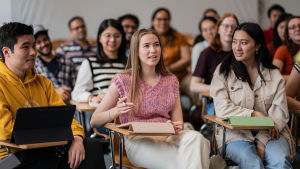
133	66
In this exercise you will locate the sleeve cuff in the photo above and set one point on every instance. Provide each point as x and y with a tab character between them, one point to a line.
83	97
263	136
248	113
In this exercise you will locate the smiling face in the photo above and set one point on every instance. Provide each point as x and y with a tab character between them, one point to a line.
149	50
78	30
23	56
43	45
129	28
226	29
244	47
294	30
161	22
208	30
110	39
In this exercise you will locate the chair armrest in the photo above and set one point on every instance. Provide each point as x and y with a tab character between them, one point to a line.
297	111
113	127
30	146
204	94
219	121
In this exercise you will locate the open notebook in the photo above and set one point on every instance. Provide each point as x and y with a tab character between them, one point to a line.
148	127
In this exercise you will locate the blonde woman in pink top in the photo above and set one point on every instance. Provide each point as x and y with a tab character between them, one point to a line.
155	98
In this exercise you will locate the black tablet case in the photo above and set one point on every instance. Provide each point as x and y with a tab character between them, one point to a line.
43	124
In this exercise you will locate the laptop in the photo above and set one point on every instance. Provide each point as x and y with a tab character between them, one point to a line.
43	124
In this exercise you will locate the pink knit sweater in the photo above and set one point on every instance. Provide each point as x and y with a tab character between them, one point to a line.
158	101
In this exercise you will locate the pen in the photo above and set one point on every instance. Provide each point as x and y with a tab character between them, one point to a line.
101	91
123	102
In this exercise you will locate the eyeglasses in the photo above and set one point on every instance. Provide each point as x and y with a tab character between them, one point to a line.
208	29
294	27
226	26
162	19
78	27
128	26
108	36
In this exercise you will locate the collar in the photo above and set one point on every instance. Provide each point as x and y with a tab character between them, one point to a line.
266	74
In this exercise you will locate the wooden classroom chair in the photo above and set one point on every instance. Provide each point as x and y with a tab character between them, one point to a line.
118	152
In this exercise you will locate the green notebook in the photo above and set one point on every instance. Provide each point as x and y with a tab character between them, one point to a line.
250	121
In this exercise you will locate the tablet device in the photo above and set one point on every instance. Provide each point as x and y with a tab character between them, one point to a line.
43	124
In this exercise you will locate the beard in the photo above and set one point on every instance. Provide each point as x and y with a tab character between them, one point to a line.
46	54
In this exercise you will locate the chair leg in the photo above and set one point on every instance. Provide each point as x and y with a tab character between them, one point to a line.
120	151
112	149
292	121
215	140
224	142
296	132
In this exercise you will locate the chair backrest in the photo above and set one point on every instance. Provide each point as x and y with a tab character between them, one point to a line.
56	43
190	39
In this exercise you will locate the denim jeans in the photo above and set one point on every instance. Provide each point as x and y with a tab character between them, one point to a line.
210	109
277	154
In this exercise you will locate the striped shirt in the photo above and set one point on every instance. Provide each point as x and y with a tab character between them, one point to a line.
103	73
93	75
156	101
297	67
74	52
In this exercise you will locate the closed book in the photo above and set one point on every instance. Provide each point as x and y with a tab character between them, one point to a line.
250	121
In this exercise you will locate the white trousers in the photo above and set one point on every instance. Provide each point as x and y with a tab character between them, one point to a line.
188	150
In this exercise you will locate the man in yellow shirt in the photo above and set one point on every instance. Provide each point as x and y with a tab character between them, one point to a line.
21	86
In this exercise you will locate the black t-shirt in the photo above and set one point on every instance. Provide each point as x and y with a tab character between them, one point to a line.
52	65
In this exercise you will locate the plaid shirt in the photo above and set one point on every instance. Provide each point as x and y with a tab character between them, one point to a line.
65	75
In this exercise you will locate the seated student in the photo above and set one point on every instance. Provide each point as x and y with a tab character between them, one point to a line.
210	12
130	25
21	86
97	72
273	13
176	51
59	70
219	48
247	84
79	49
207	27
284	55
293	84
149	93
278	34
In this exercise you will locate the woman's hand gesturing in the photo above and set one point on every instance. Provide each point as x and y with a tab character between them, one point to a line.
124	107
